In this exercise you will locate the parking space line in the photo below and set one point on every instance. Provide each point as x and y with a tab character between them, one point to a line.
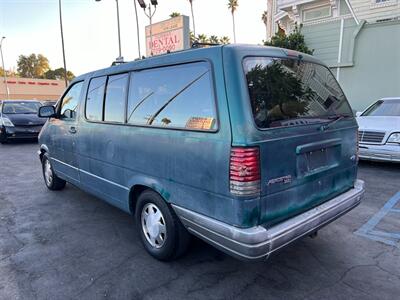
386	234
369	230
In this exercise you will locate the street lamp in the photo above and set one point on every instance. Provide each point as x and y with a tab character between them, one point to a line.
119	58
4	70
150	15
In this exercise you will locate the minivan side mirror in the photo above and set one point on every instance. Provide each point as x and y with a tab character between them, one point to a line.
358	113
47	111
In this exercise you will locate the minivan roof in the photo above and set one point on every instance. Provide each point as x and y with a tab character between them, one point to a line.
390	98
189	54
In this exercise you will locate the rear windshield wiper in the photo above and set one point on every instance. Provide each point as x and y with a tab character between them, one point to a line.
334	121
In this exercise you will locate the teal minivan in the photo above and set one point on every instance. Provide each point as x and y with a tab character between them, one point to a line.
246	147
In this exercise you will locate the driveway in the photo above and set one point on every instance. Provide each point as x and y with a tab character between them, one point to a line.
70	245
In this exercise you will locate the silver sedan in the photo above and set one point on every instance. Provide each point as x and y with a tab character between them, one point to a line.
379	131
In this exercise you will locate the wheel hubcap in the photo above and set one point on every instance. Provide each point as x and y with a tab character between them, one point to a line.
153	225
48	174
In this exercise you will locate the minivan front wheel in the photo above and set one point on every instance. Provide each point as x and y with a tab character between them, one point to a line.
52	181
160	230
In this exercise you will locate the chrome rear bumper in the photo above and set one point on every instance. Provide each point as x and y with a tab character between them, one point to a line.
389	153
258	242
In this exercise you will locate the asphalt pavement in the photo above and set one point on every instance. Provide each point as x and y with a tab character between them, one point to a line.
70	245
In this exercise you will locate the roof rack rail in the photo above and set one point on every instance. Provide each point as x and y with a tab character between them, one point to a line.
118	62
201	45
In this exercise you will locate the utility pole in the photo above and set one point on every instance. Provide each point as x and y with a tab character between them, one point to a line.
137	29
62	44
4	70
119	58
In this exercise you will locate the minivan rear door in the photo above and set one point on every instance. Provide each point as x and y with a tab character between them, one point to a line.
305	131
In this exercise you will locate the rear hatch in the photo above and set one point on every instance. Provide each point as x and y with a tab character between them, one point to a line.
305	131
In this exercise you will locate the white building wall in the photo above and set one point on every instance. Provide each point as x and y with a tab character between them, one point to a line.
371	11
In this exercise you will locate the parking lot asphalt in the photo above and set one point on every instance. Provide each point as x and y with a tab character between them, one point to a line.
70	245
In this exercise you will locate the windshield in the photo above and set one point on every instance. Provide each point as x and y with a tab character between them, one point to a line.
382	108
291	92
19	107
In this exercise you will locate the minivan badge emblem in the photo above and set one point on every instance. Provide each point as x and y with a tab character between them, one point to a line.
283	179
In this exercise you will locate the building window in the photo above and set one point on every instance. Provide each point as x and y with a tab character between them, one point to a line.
316	13
382	3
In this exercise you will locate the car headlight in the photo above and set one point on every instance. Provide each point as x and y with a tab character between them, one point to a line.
6	122
394	138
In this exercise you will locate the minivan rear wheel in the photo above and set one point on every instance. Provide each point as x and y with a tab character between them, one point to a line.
160	230
52	181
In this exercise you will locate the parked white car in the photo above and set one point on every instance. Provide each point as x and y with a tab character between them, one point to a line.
379	131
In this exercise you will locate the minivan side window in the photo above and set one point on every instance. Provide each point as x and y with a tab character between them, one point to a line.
116	92
69	102
94	100
176	97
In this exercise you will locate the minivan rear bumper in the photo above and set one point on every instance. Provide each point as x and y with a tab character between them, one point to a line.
257	243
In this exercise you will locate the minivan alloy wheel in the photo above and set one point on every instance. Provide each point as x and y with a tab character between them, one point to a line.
153	225
53	182
48	173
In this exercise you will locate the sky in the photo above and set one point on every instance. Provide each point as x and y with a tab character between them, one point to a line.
90	28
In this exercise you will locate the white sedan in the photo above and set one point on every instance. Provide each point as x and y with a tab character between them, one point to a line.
379	131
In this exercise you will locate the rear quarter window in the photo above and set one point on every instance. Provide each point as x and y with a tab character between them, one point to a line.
173	97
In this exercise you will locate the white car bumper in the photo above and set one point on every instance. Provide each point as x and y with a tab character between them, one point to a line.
386	152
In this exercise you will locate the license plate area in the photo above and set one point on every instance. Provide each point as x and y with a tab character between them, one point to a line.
315	158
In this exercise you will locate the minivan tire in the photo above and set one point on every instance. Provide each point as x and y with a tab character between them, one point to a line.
55	183
177	237
3	139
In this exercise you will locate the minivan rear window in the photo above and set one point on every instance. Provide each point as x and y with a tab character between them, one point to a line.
292	92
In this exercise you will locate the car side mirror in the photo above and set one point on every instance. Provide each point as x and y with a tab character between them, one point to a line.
47	111
358	113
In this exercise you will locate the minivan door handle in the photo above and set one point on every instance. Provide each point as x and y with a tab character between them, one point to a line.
72	129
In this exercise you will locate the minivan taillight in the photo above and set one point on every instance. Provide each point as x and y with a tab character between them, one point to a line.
244	172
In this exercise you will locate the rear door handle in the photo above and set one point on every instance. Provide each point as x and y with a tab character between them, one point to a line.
72	130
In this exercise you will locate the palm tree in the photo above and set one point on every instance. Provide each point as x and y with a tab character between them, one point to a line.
233	5
191	8
174	14
214	39
202	38
165	121
264	18
224	40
